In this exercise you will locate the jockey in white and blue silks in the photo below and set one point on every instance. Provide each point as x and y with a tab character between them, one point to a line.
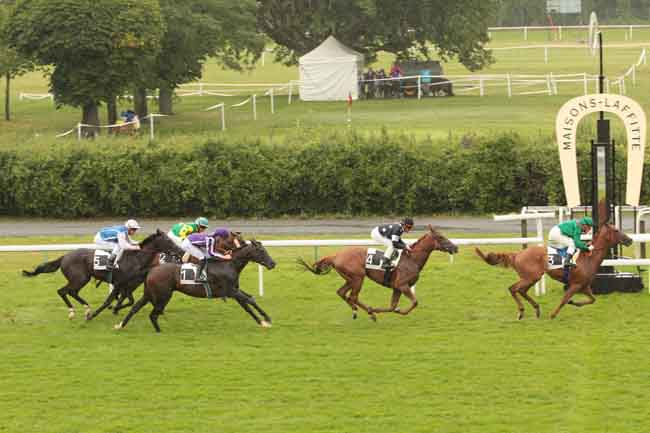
117	239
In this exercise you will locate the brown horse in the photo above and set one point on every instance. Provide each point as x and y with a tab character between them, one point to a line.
350	264
531	264
223	277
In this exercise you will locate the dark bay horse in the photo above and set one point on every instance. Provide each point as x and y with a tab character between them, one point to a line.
350	264
531	264
77	267
223	245
223	277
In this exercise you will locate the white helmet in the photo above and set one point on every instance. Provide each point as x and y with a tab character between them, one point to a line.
132	224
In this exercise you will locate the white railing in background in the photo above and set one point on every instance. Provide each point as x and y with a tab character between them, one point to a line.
628	35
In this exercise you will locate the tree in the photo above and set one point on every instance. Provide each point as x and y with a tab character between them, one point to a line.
97	48
407	28
11	64
198	29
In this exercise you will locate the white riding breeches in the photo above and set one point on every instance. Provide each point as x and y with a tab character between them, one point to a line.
377	237
113	247
178	241
557	240
193	250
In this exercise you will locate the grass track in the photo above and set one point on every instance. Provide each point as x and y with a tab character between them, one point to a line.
458	363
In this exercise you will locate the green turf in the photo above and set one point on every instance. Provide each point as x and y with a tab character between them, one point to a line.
459	363
37	122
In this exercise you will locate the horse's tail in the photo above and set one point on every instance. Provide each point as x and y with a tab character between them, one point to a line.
321	267
44	268
507	260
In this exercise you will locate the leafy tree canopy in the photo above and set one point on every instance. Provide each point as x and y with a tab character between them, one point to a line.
407	28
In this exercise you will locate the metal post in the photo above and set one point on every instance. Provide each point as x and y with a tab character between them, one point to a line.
223	117
260	279
480	84
509	85
642	230
272	102
290	92
79	131
151	127
254	107
419	87
524	232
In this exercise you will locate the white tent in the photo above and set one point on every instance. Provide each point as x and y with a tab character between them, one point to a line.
330	72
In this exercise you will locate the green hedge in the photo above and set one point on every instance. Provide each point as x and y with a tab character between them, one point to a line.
348	175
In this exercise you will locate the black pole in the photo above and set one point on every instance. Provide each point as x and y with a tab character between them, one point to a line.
601	76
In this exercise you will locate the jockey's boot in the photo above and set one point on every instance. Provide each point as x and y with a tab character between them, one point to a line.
567	265
201	276
110	265
387	263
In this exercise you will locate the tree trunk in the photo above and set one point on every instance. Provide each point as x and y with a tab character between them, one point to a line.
7	95
166	92
90	116
140	102
111	109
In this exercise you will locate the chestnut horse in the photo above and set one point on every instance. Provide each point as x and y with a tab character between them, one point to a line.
350	263
531	264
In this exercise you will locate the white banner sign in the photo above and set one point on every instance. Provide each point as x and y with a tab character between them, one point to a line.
566	125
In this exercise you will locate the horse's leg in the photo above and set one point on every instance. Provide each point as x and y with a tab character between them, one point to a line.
394	300
253	303
565	299
406	290
120	300
75	295
138	305
523	291
514	289
159	305
354	298
342	292
63	293
588	293
107	302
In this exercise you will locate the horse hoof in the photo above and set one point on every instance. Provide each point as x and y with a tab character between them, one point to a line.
265	324
373	317
354	316
397	310
538	313
520	316
71	315
118	326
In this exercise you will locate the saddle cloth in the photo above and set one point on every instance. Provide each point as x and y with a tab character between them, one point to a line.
100	260
375	257
189	273
555	257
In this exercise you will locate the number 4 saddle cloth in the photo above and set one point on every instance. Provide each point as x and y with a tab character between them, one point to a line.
375	257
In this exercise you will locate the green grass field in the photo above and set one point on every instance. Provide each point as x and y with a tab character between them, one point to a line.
459	363
36	123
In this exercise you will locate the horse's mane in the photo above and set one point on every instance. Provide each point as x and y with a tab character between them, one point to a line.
148	239
436	235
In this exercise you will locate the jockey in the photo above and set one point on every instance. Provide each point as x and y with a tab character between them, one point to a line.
391	236
180	231
566	237
203	247
117	239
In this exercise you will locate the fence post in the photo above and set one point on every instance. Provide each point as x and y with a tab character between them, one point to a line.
508	80
480	86
223	117
631	27
419	87
79	131
260	279
151	126
272	102
524	232
586	86
642	230
290	91
254	107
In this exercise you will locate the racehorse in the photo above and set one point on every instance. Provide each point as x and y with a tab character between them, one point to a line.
126	292
223	278
531	264
350	264
77	267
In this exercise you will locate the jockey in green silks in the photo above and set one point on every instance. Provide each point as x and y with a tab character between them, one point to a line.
566	237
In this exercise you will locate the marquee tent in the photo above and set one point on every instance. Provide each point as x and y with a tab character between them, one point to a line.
330	72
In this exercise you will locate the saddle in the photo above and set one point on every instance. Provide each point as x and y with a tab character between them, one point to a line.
555	257
375	257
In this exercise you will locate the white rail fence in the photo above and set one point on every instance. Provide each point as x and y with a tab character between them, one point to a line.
559	30
539	239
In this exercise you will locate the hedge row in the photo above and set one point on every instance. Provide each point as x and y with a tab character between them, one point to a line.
346	175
